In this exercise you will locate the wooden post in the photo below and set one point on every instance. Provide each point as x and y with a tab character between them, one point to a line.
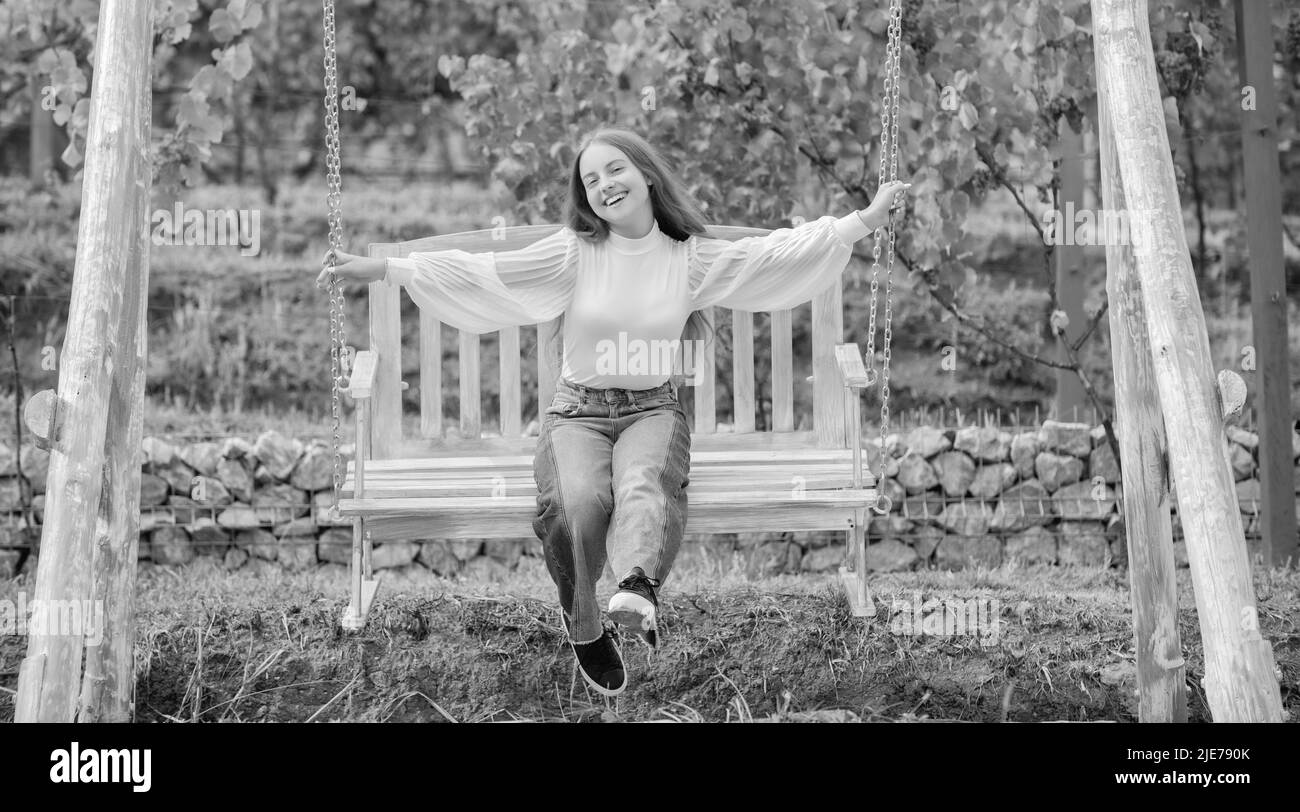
87	464
1069	260
1144	461
1267	281
1241	682
108	690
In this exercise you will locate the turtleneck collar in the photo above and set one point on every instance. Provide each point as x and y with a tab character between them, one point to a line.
625	245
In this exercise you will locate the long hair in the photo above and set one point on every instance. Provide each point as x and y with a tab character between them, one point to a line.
674	210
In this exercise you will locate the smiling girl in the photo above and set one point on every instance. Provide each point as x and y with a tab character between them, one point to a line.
632	263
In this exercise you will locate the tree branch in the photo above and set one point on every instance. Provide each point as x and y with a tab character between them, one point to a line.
977	325
1092	394
826	166
24	483
1092	325
64	41
985	153
1289	235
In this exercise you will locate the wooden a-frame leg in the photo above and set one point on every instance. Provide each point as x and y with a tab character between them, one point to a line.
363	583
855	582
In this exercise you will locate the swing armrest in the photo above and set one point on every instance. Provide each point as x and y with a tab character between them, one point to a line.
852	372
361	384
849	360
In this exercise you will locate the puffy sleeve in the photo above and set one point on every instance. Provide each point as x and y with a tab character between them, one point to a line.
776	271
483	292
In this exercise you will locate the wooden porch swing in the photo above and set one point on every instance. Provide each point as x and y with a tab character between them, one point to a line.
475	486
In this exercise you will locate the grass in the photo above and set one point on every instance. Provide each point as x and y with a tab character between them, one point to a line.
261	644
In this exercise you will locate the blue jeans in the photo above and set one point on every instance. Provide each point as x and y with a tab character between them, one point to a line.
609	454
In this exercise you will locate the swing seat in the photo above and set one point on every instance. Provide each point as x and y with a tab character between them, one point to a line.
423	483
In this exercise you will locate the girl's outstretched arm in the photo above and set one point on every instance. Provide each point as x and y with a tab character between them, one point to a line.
481	292
785	268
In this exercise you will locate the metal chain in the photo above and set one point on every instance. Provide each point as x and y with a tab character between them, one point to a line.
880	181
334	200
895	52
888	171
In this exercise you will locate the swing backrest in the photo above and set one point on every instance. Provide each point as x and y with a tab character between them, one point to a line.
393	437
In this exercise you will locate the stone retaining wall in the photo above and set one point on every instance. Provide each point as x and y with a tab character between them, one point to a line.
964	496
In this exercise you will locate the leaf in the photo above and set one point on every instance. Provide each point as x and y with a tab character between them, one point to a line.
623	31
450	66
1172	123
1029	39
47	61
211	82
711	73
193	114
252	17
66	76
668	13
1201	33
877	20
968	115
81	115
223	26
71	156
960	204
237	60
1049	21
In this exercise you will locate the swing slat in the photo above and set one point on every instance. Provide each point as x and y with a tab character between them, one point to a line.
511	517
782	370
430	376
772	481
742	372
524	461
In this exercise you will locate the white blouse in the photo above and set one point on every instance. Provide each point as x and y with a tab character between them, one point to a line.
626	301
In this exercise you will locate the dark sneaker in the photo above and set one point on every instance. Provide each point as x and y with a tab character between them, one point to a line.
636	606
600	663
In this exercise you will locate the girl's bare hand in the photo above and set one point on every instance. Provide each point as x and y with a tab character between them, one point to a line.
888	196
350	268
